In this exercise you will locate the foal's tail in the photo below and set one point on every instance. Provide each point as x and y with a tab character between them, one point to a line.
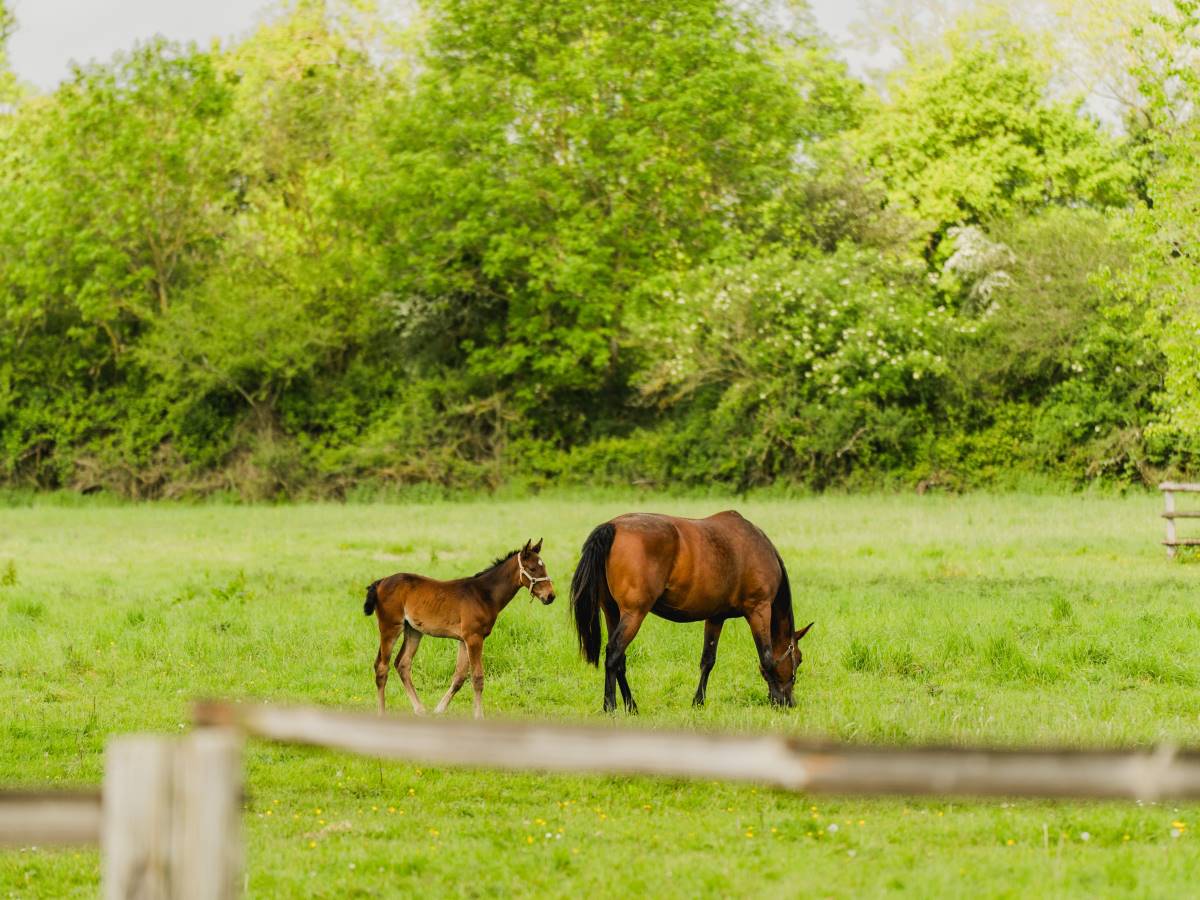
372	598
587	587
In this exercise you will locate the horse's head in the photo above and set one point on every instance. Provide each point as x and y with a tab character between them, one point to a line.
785	663
532	572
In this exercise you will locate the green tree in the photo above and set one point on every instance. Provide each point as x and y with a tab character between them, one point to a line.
972	135
116	191
553	159
1166	231
8	81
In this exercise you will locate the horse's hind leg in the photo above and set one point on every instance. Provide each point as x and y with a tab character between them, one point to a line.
474	644
619	639
412	640
460	676
383	661
708	658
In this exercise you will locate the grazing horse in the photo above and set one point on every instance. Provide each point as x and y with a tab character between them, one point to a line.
685	570
464	609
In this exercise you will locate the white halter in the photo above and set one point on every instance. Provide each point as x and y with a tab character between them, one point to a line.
532	580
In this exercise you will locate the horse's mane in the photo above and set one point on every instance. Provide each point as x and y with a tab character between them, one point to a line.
498	561
782	622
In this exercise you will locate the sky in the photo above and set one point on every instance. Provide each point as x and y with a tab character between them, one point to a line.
53	33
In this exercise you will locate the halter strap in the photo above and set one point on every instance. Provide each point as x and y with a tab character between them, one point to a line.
532	580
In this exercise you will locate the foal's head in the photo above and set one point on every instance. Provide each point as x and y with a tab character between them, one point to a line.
532	572
786	661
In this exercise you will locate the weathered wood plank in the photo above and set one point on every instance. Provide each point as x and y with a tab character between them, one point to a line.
207	816
137	817
30	818
765	759
1183	542
1182	514
1169	498
1185	486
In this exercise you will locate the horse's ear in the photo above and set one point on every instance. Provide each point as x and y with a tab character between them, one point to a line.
537	548
525	548
803	631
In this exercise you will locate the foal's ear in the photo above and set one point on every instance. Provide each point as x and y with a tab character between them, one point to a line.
525	549
537	548
803	631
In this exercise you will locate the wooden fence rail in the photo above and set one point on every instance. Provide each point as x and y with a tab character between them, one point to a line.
49	817
169	821
775	760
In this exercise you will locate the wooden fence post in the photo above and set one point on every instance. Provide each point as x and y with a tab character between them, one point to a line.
172	817
207	826
1169	499
136	831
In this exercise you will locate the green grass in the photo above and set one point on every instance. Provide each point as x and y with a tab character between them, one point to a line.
978	620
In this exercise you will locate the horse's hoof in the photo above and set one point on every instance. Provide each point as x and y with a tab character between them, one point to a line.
698	702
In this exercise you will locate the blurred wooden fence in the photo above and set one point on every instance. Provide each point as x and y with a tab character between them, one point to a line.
1170	489
169	823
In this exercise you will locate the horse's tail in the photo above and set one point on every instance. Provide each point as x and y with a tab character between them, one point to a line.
587	586
781	606
372	598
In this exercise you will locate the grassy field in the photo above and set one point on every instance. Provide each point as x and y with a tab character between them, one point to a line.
1012	620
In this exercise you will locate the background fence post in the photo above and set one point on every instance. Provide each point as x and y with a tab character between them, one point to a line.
1169	499
207	816
136	820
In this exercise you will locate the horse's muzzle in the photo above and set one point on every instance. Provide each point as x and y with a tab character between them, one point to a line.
547	600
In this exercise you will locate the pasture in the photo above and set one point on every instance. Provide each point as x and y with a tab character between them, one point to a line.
1014	619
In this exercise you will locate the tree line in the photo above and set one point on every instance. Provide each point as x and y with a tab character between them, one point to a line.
674	243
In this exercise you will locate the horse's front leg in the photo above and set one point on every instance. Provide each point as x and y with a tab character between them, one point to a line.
708	657
759	619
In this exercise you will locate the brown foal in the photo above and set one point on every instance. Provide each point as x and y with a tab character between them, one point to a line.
685	570
465	609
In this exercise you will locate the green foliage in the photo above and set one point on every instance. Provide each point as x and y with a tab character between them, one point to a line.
553	160
666	242
972	135
8	81
800	367
1166	278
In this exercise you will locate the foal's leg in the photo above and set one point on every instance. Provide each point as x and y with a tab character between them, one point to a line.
708	658
614	660
408	649
460	676
474	644
383	661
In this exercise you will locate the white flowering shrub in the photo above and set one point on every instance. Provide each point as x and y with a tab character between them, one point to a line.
826	362
982	266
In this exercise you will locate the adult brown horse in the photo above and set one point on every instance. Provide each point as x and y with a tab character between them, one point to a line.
685	570
465	609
